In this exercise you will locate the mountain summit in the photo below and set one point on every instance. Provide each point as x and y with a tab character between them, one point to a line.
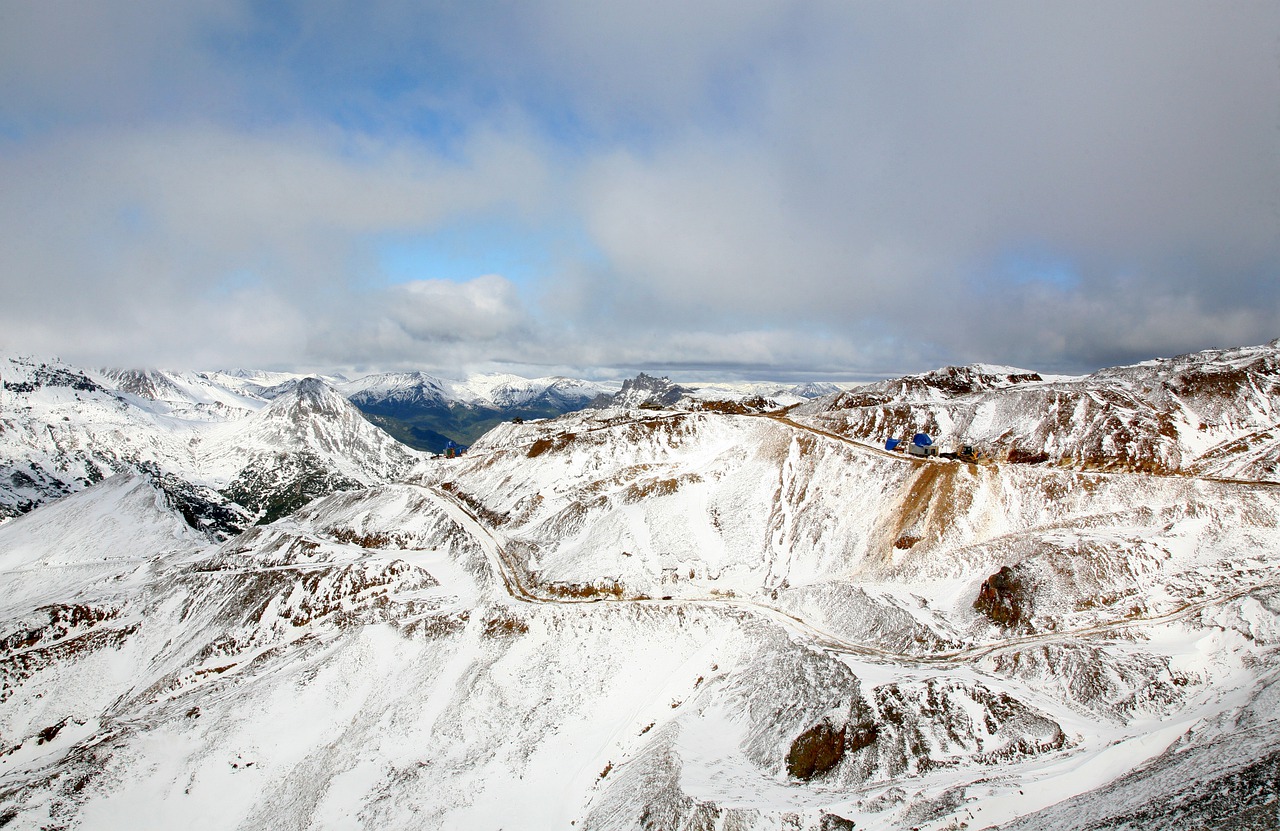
642	391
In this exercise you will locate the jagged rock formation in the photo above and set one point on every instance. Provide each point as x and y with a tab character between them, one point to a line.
642	391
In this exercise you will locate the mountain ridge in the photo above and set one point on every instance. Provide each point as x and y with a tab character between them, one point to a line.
692	616
1210	413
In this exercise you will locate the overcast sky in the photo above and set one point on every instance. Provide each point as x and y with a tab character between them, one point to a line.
731	188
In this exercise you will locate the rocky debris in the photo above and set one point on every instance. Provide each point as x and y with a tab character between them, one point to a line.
1004	598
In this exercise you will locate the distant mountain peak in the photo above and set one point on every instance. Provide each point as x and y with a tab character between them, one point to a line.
144	383
641	391
314	395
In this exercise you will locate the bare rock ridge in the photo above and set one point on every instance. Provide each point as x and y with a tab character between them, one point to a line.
642	391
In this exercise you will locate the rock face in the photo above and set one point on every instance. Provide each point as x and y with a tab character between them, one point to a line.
816	751
1004	598
643	391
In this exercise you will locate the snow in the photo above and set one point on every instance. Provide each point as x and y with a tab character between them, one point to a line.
498	390
485	642
103	535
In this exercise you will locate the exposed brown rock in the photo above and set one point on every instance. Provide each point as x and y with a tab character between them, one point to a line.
816	751
1004	598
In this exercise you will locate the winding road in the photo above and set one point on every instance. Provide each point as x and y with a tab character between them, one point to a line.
521	588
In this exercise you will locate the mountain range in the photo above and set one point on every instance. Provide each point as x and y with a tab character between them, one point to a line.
715	611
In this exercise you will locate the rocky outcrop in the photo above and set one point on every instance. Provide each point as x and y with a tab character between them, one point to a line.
816	751
1004	598
642	391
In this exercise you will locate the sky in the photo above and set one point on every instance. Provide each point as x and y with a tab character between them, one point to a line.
755	189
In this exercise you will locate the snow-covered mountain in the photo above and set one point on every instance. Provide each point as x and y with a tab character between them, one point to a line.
215	450
647	391
675	618
310	441
784	394
186	395
263	384
63	428
1211	413
494	390
429	412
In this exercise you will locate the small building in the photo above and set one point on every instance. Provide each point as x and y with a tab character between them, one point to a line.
922	445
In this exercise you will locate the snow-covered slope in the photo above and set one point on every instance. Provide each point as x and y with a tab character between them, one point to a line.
1210	413
187	395
628	618
406	387
62	429
262	384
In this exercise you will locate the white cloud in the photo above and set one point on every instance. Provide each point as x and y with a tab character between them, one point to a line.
111	238
776	182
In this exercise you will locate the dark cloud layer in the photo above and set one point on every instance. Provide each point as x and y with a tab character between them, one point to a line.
760	188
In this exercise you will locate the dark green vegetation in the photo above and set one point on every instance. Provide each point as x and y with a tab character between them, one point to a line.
276	485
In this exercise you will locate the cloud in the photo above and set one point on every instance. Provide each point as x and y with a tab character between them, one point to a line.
102	59
885	177
771	182
113	236
426	324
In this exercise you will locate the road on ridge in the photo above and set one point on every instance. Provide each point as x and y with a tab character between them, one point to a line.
511	575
